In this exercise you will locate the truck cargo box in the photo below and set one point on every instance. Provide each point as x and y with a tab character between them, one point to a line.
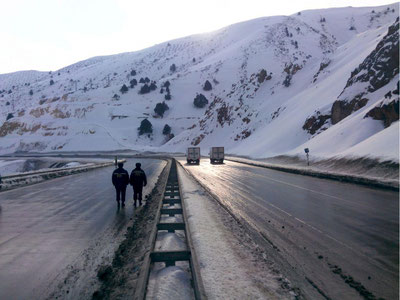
193	155
217	155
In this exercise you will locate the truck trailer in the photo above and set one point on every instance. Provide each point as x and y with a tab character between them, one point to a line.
193	155
217	155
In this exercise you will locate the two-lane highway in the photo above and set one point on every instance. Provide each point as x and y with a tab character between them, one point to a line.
48	229
343	238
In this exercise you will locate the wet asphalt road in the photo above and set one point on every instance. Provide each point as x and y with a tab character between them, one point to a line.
326	231
46	228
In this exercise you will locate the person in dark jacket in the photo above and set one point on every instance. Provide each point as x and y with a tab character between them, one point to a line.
138	180
120	179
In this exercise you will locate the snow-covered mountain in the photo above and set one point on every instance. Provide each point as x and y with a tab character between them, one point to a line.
320	79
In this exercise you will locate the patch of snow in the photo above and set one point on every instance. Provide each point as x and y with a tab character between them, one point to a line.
170	283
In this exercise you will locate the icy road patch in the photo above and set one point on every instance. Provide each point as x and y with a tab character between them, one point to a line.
231	264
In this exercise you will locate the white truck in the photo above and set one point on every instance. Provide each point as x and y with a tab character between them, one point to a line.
217	155
193	155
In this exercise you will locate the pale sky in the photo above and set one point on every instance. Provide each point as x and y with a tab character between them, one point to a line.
50	34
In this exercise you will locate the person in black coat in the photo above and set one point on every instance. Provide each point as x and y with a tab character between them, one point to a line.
120	180
138	180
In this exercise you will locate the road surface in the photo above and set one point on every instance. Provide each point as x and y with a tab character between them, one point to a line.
51	231
343	239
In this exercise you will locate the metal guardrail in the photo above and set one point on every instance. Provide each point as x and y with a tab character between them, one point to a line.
87	166
7	179
172	191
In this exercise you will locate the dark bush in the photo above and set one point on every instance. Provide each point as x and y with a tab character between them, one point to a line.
145	89
167	96
116	97
133	83
9	116
51	82
287	80
263	76
167	84
8	103
145	127
31	92
166	130
153	86
147	80
172	68
286	31
123	89
200	101
161	91
141	80
207	86
133	73
161	108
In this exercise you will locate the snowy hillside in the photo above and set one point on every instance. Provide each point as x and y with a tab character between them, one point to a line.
322	79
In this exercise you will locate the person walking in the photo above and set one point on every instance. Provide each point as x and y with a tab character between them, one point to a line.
120	180
138	180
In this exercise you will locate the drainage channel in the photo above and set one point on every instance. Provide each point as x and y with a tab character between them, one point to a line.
171	270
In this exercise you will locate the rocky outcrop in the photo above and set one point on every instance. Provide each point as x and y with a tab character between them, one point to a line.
341	109
224	114
382	65
10	127
315	123
388	113
290	69
376	71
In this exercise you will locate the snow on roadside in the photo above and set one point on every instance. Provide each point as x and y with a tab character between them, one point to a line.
31	177
11	166
229	267
383	176
170	283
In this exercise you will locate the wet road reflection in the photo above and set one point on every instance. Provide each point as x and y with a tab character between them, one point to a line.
46	227
350	225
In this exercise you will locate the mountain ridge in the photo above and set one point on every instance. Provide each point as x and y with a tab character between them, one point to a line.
269	76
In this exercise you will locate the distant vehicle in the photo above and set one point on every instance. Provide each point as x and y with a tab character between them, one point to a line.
217	155
193	155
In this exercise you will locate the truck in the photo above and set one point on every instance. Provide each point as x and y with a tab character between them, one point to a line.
193	155
217	155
